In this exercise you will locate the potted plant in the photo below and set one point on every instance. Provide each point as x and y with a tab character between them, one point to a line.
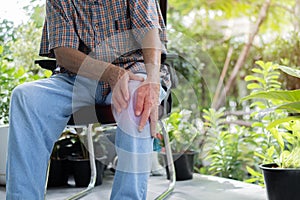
60	167
281	167
58	171
80	162
183	133
70	157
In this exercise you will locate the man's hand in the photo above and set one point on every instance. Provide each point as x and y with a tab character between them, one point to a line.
147	104
118	81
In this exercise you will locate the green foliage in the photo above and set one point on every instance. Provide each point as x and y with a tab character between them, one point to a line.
225	157
9	78
18	49
265	79
214	26
183	130
214	120
6	31
229	148
282	131
29	36
287	138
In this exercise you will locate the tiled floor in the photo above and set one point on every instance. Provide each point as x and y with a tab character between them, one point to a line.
199	188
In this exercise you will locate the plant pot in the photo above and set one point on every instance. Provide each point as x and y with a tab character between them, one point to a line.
184	165
58	173
82	172
281	183
100	167
3	154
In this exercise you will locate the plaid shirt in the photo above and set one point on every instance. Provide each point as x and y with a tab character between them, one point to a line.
107	30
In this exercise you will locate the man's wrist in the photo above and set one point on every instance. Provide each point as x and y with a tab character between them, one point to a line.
153	73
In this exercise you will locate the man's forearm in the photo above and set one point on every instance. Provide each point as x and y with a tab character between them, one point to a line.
152	54
82	64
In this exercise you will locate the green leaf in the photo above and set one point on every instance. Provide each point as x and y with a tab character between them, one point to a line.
20	72
291	107
258	104
256	70
260	63
257	124
253	172
1	50
262	156
278	137
277	86
252	86
280	121
288	137
251	180
290	71
47	73
254	78
287	96
270	151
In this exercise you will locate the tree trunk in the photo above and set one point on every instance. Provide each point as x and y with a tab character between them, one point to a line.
222	77
241	60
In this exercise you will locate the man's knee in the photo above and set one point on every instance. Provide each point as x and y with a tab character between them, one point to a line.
22	91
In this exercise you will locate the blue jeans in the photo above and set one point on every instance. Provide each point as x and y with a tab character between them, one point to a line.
39	112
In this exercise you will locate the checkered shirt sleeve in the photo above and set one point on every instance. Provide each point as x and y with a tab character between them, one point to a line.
59	27
144	16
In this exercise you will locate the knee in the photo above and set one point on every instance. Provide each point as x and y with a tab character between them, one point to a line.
22	91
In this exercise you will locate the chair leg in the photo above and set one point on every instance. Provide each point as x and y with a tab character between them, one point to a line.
92	164
170	163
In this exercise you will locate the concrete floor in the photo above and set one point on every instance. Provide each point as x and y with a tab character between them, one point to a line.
199	188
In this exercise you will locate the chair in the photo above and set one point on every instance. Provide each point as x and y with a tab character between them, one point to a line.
86	117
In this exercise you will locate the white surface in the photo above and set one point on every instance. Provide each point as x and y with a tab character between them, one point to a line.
3	152
200	188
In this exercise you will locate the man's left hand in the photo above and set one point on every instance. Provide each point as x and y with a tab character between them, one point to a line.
147	103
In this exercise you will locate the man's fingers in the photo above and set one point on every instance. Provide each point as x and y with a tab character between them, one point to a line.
118	100
153	128
116	104
124	88
140	101
145	116
153	121
135	77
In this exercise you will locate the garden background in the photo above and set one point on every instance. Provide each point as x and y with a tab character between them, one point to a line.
227	50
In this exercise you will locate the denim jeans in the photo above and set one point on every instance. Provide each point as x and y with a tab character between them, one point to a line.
39	112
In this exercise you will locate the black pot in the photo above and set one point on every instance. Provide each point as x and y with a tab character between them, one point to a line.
100	167
184	166
82	172
281	183
58	173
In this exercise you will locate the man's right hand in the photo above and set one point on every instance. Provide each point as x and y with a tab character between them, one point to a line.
118	81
